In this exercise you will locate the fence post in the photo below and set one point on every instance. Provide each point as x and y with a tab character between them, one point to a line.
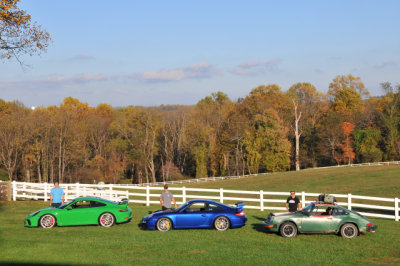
221	195
110	191
45	191
183	194
84	191
77	190
303	199
262	200
396	209
24	189
147	195
66	193
349	201
14	190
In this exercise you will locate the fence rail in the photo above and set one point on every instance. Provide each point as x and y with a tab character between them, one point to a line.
259	200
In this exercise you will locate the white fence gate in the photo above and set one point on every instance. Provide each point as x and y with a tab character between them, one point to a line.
259	200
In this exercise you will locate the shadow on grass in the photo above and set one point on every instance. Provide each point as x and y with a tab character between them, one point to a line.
31	263
368	210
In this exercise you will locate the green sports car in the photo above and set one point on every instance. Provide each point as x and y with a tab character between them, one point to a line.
82	211
319	217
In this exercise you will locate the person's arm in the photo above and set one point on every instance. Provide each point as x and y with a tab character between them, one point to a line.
62	199
51	199
173	199
287	206
161	202
299	207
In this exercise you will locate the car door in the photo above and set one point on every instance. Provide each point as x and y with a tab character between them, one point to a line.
80	213
193	216
317	221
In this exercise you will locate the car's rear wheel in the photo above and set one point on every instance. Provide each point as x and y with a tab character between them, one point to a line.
47	221
164	224
106	219
288	229
222	223
349	230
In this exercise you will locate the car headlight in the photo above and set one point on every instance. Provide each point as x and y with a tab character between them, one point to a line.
33	214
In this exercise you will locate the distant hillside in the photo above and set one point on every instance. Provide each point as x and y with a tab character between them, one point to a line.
380	181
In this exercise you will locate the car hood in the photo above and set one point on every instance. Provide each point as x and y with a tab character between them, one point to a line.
283	214
158	213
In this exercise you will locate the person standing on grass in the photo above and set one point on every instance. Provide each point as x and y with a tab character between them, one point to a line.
293	202
56	195
166	198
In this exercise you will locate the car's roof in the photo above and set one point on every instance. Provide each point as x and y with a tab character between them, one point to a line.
321	203
204	201
94	198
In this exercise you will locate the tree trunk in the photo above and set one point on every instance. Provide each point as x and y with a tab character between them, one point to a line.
297	134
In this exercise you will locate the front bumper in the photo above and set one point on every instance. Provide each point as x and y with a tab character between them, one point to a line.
372	228
270	226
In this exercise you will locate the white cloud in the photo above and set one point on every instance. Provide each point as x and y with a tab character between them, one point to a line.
55	81
385	64
201	70
254	68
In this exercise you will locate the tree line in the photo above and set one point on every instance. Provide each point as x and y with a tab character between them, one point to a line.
268	130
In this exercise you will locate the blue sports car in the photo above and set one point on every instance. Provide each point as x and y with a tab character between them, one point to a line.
197	214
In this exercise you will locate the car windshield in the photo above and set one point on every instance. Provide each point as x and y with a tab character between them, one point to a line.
65	204
309	208
183	206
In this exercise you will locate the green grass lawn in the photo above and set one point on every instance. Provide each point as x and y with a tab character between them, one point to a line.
127	244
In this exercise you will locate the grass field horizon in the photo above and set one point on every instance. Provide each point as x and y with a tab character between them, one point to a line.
127	244
378	181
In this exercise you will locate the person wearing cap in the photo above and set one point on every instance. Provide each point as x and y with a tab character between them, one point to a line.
293	203
166	198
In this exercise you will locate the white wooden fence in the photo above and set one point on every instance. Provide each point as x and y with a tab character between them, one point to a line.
259	200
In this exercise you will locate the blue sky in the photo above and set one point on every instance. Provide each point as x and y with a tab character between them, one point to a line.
177	52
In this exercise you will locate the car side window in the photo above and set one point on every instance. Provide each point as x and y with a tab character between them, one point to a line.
81	204
94	204
213	207
195	207
337	212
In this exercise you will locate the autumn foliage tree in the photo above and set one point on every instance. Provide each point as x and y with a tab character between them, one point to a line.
18	34
348	154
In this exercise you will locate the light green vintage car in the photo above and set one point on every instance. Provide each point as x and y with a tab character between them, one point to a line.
319	217
82	211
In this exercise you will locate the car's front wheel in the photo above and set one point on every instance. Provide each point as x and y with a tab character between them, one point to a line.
47	221
222	223
164	224
349	230
288	229
106	219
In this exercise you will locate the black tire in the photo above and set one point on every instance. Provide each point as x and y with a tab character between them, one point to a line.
288	229
164	224
47	221
222	223
349	230
106	219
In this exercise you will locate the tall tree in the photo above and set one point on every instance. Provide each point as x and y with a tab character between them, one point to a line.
18	34
12	135
389	110
306	106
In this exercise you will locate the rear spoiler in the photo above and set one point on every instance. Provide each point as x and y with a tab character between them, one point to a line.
124	202
239	206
